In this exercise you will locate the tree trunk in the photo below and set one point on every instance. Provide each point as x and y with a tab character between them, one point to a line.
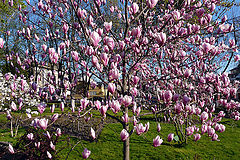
126	143
126	149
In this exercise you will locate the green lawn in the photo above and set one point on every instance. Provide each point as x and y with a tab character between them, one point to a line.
109	145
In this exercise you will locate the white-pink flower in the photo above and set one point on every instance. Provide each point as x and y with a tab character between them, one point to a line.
10	148
14	106
124	135
52	145
157	141
86	153
93	135
95	38
237	58
127	100
134	8
151	3
108	26
49	155
111	88
1	42
30	136
75	56
43	123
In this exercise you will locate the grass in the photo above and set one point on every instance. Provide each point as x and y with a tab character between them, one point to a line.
109	146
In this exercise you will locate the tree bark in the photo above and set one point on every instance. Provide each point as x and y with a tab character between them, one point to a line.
126	143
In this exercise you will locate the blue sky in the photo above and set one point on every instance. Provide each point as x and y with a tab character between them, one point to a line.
233	12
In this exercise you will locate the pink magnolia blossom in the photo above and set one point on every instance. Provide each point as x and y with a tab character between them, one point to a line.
8	115
190	130
54	117
127	100
108	26
187	73
124	135
53	55
65	28
215	137
109	42
14	106
221	114
95	38
86	153
90	20
41	108
222	128
237	58
140	129
114	74
170	137
7	76
161	38
84	102
52	108
158	127
97	104
134	108
138	111
147	125
125	118
157	141
196	137
1	42
10	2
51	89
103	110
175	97
134	91
115	106
134	8
104	58
48	135
204	116
30	136
82	13
186	99
95	61
10	148
112	9
62	106
44	47
75	56
73	105
111	88
58	132
43	123
93	135
137	32
49	155
52	145
176	15
210	131
168	96
28	2
151	3
135	121
37	144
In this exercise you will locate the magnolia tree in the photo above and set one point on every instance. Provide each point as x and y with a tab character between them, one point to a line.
160	56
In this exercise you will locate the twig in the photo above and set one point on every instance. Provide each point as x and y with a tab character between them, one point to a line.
72	149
